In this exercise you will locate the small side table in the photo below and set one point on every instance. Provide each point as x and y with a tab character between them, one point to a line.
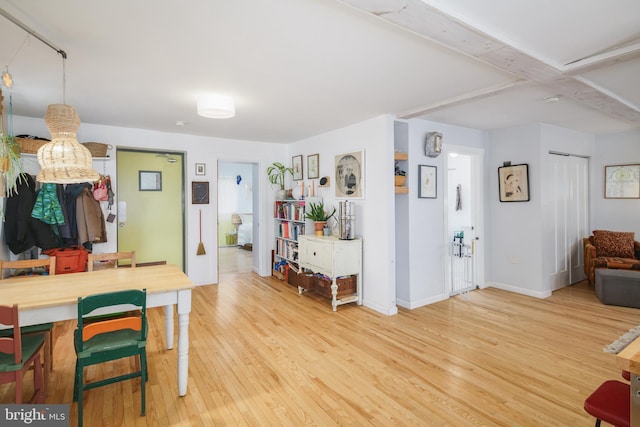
232	238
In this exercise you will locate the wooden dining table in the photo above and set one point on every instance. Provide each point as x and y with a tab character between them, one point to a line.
43	299
629	360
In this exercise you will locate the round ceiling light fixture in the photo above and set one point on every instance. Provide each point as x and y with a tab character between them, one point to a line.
215	106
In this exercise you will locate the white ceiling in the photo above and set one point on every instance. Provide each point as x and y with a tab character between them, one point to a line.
298	68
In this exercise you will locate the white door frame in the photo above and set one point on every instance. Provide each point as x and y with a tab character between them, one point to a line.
477	210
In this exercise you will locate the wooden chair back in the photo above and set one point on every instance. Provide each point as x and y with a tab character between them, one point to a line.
50	263
11	344
102	260
26	354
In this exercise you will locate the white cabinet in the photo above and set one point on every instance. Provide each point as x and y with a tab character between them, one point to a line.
333	257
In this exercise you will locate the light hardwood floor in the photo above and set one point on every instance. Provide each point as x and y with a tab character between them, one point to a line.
263	355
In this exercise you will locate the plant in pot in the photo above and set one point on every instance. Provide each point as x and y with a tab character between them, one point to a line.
10	165
277	172
400	176
317	213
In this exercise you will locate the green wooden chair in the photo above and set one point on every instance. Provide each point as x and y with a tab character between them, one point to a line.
110	339
28	266
20	353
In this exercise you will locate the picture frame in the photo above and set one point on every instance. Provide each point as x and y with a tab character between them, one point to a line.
349	175
313	166
427	182
201	169
296	165
200	192
622	181
150	180
513	183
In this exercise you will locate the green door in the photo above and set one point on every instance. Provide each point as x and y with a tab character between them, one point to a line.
150	205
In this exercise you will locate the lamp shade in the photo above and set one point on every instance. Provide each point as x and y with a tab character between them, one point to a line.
216	106
64	160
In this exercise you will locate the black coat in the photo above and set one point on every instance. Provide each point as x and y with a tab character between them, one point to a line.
17	225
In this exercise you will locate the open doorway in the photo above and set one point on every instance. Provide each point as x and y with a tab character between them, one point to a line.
464	208
237	216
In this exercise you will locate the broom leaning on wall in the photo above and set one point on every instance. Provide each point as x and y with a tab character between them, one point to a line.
200	250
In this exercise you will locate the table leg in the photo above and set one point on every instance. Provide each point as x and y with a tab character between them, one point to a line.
635	399
168	325
184	308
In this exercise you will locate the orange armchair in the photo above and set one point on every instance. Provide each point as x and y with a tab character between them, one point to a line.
610	249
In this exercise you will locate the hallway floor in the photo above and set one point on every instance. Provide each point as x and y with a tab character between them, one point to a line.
234	259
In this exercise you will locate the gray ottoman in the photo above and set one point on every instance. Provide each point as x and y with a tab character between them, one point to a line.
618	287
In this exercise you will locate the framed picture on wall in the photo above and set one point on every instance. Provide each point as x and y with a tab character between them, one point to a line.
622	182
296	165
201	169
200	192
427	175
513	183
313	166
350	175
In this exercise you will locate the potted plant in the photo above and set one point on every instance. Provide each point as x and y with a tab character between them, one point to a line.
319	216
400	176
276	173
10	165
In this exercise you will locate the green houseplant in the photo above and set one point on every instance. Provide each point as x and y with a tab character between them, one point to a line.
10	165
317	213
276	173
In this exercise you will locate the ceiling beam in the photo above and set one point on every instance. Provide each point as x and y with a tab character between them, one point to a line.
431	23
462	99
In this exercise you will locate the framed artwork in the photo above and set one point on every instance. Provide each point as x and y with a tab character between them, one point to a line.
313	166
622	182
514	183
296	165
350	175
200	192
428	178
150	180
201	169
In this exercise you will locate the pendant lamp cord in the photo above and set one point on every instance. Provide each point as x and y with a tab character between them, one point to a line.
64	78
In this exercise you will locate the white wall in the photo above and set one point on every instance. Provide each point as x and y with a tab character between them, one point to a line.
374	213
198	149
614	214
515	250
521	231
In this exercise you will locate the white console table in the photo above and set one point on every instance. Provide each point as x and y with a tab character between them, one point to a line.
333	257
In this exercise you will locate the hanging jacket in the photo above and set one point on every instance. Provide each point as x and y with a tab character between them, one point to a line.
47	207
17	226
90	219
72	191
64	229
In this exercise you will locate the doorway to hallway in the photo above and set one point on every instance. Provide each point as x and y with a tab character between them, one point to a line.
464	218
237	217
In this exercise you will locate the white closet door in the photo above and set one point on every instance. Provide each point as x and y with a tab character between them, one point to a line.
578	219
570	218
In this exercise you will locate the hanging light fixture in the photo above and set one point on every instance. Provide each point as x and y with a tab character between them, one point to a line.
216	106
7	79
63	160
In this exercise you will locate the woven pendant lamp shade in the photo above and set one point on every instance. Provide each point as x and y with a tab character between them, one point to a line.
64	160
